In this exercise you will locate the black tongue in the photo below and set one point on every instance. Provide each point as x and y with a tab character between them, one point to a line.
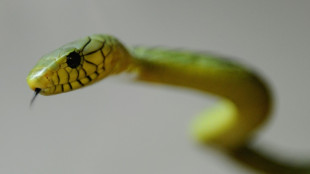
36	92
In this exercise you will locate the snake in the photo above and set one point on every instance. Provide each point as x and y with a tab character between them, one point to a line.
245	99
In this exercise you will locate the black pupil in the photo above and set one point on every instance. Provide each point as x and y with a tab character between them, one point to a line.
73	60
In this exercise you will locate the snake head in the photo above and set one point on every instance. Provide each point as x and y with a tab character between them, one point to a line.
71	66
41	76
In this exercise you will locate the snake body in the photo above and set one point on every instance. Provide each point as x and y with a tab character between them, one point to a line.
246	100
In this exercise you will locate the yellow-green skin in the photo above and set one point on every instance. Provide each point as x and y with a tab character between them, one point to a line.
245	104
246	101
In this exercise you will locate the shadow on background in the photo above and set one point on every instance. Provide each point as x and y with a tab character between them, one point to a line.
260	161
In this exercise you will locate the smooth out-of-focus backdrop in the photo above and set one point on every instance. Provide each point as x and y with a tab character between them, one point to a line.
117	126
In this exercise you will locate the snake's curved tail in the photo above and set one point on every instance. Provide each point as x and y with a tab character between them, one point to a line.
246	98
230	124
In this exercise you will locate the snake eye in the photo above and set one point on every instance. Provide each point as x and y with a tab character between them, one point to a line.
73	59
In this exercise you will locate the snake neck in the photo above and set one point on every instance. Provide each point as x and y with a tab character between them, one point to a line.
247	100
119	58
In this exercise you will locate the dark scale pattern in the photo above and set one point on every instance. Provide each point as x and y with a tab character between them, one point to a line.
88	78
70	85
80	82
96	50
75	60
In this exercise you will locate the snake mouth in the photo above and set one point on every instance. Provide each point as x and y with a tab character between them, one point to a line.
56	89
36	92
69	86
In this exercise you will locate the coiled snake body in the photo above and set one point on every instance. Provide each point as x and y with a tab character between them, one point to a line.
246	99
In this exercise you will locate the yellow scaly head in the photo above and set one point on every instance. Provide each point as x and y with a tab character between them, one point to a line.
74	65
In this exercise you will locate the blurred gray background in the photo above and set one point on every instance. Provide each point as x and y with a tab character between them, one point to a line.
117	126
